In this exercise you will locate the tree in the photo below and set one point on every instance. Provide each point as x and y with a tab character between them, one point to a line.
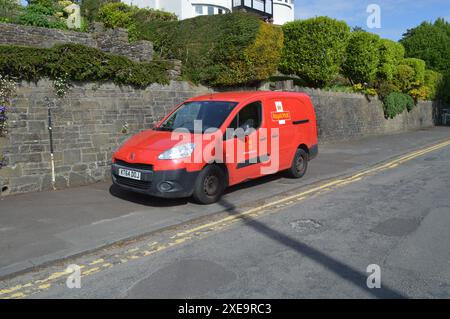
431	43
314	49
391	54
363	57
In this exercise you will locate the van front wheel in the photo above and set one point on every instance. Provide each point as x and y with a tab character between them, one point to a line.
209	185
299	164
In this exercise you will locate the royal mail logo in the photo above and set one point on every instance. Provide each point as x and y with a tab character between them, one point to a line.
280	116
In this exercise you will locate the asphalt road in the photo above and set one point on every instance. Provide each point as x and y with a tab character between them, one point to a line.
39	228
312	242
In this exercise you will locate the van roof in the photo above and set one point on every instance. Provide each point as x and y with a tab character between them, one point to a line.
245	95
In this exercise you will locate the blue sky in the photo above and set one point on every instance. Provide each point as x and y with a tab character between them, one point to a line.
396	15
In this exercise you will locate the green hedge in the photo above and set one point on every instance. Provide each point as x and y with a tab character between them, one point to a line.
418	66
314	49
391	54
219	50
362	57
79	63
395	103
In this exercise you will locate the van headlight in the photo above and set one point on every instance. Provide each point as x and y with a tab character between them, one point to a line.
178	152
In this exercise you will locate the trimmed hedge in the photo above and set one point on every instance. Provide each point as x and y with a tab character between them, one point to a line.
418	66
218	50
391	54
395	103
362	57
79	63
314	49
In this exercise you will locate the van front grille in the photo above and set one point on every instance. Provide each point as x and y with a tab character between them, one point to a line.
147	167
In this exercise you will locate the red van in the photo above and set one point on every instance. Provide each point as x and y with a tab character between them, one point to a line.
217	140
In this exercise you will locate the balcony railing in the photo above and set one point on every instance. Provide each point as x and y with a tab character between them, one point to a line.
263	7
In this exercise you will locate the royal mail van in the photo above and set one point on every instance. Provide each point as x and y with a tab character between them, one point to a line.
217	140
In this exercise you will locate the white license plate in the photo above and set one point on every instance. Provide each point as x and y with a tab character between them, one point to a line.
129	174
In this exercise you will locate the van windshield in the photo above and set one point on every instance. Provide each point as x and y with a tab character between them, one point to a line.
212	114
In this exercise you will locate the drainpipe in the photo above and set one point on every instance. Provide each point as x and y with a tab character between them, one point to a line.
50	133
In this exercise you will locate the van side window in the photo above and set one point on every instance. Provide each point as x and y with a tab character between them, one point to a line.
250	115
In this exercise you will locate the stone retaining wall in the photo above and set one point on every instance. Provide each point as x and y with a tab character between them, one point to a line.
108	40
94	119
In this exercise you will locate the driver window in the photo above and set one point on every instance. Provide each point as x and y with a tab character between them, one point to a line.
248	117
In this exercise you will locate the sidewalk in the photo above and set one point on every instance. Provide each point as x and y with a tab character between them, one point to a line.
38	228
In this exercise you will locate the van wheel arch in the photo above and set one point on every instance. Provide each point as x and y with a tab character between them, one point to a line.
304	147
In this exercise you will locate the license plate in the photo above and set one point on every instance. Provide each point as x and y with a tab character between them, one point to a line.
129	174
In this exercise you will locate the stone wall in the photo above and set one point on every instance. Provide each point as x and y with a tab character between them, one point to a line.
344	116
93	120
111	40
88	125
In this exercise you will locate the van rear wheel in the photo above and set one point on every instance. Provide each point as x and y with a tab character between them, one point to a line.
209	185
299	164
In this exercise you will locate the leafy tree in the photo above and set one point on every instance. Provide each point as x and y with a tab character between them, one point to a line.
363	57
432	82
391	54
314	49
431	43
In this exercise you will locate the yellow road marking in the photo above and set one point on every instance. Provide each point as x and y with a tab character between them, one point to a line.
179	238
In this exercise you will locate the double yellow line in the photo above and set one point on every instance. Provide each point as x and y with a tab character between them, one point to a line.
326	186
23	290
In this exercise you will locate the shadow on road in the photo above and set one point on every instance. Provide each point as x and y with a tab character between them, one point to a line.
152	201
342	270
145	200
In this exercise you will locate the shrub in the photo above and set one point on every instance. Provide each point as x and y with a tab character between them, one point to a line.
116	15
78	63
121	15
391	54
430	42
360	88
395	103
39	15
89	8
314	49
443	88
420	93
418	66
362	57
8	10
404	77
385	88
432	81
218	50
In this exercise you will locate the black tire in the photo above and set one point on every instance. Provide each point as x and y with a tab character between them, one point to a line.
209	185
299	164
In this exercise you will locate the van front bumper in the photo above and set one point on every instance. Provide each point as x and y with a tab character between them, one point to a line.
167	184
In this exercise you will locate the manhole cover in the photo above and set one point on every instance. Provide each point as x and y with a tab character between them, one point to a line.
306	225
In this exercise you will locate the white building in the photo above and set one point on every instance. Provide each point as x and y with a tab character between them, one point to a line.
281	11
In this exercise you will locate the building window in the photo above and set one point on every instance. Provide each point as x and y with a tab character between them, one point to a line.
220	11
199	9
210	10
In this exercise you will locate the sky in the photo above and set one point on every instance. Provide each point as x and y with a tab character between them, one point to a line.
396	15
